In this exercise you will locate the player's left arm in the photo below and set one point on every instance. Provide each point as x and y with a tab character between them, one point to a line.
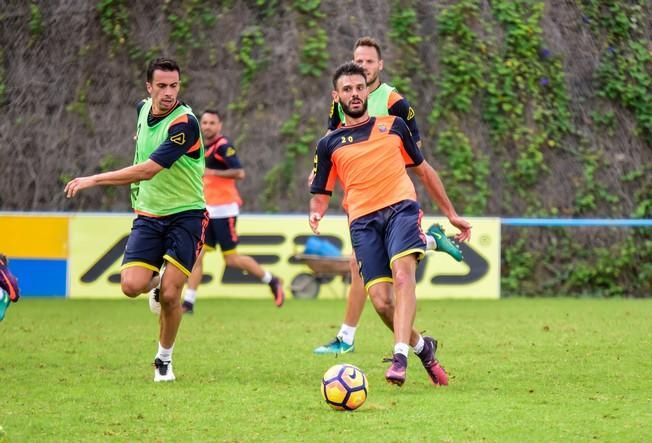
413	157
398	106
435	188
237	174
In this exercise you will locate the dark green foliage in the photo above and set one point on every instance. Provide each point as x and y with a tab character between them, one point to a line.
527	104
114	19
641	178
577	260
314	38
298	136
461	56
625	71
36	20
250	53
466	171
460	82
406	36
187	22
79	106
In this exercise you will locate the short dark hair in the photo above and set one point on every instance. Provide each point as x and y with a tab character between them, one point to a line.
348	68
368	41
162	64
214	112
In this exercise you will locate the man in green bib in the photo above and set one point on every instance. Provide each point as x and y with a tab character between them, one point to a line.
167	196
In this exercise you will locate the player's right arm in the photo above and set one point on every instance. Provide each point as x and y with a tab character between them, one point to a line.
183	139
318	207
334	122
130	174
324	176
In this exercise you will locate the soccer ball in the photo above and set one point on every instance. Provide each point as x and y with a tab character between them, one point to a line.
344	387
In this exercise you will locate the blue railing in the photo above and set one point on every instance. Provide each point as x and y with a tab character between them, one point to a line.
611	222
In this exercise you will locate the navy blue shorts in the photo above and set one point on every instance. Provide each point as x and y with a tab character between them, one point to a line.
222	231
385	235
177	238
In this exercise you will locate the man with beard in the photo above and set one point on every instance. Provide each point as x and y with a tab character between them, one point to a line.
369	156
383	100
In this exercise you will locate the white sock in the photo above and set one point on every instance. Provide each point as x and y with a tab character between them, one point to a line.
164	353
419	346
190	295
431	244
267	277
402	348
347	333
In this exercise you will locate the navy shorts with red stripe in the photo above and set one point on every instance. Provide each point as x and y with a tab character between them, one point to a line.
177	238
222	231
385	235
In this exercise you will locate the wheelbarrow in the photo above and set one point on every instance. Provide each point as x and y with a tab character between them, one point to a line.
324	270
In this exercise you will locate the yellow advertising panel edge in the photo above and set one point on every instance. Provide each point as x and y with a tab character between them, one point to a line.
34	236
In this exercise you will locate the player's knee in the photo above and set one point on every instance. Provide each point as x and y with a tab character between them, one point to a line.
231	260
403	280
382	303
131	288
169	297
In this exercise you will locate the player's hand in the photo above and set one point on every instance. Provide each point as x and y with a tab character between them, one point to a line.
77	184
314	220
464	227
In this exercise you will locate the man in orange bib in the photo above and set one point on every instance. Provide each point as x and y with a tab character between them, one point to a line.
223	169
369	156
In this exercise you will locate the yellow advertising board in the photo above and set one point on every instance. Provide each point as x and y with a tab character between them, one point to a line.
34	236
97	244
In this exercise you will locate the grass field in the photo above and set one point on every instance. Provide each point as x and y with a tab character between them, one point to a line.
522	370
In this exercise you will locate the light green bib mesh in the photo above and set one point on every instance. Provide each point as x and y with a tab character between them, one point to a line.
173	190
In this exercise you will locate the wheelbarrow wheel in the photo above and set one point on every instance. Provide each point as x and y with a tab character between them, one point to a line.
305	286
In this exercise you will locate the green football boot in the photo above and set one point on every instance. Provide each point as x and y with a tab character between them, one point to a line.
444	244
4	303
336	346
